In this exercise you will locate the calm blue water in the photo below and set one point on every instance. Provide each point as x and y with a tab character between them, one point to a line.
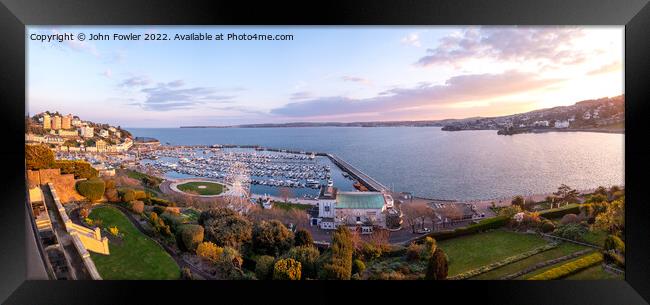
433	163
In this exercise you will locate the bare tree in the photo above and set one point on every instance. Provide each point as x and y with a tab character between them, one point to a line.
415	213
285	193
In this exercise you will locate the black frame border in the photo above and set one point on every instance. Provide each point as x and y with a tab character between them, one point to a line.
15	15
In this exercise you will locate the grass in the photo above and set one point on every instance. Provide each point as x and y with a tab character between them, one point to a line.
562	250
595	273
595	237
288	206
470	252
542	270
137	257
211	188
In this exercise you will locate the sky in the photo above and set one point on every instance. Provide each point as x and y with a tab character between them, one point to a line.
325	74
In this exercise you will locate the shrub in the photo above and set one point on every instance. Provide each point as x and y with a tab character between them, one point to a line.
570	268
159	224
548	226
413	252
339	264
272	238
264	267
188	237
571	231
358	266
186	274
509	211
172	220
38	157
162	202
370	251
569	218
437	267
286	269
303	238
209	251
307	256
93	189
128	195
613	242
112	195
559	212
114	230
428	247
136	206
159	209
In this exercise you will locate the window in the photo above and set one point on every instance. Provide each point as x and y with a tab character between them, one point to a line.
358	218
326	208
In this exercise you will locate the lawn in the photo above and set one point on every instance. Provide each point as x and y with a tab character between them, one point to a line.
470	252
595	273
562	250
542	270
202	188
595	237
137	257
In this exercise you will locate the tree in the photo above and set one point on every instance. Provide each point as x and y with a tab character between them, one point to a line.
307	256
229	264
128	195
438	266
339	266
225	227
272	238
38	157
519	201
415	214
303	238
613	219
287	269
209	251
264	267
566	195
189	236
92	189
429	247
137	206
285	193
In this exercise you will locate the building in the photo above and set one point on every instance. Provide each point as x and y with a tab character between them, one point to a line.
112	129
86	131
76	122
30	137
101	145
68	133
47	123
360	210
51	139
66	122
562	124
56	122
103	133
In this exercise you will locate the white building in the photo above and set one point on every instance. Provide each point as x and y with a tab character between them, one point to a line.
562	124
68	133
363	210
103	133
87	131
30	137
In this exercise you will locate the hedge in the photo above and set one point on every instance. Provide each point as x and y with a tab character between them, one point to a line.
483	225
80	169
92	189
559	212
501	263
570	268
163	202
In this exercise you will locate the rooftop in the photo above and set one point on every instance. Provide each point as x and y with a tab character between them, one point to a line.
360	200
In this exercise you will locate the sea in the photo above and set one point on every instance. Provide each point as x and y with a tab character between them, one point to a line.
431	163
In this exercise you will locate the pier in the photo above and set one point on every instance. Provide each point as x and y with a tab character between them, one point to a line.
369	182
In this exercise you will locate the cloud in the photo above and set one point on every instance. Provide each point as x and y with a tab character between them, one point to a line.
463	88
170	96
355	79
412	39
135	81
107	73
301	95
616	66
552	45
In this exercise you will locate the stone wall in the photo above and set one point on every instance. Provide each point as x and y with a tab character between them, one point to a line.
65	184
